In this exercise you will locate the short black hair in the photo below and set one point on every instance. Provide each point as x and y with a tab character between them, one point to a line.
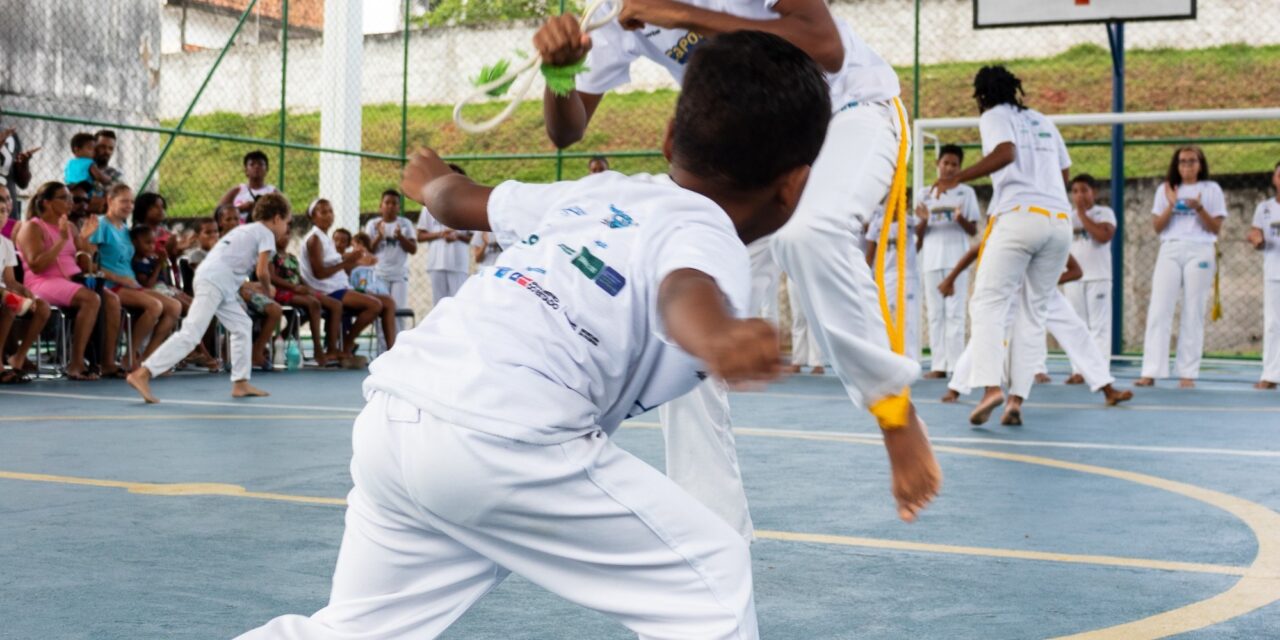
599	159
343	231
457	169
753	106
255	155
996	85
952	149
137	231
84	186
1086	179
81	139
105	133
390	192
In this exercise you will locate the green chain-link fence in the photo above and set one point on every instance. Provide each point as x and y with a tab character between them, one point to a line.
190	86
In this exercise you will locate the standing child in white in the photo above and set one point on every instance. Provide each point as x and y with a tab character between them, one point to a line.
804	341
448	262
486	445
1264	235
912	282
393	241
1029	245
1093	226
244	250
947	221
1189	210
243	196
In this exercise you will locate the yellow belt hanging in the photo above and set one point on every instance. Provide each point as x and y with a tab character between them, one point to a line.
1216	314
892	412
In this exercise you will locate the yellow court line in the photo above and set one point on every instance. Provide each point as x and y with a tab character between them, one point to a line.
237	491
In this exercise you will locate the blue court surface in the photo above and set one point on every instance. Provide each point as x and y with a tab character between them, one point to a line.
203	517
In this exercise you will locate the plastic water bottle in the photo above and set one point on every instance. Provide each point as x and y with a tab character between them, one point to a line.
292	357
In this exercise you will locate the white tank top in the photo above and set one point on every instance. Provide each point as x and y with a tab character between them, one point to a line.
245	195
335	282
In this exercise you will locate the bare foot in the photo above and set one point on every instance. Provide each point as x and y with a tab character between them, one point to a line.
1186	383
1144	382
951	396
1264	385
140	380
242	389
18	362
982	412
818	370
795	368
1012	416
1043	378
1074	379
1116	396
934	375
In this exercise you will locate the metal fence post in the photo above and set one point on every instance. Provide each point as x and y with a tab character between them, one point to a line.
1115	33
284	77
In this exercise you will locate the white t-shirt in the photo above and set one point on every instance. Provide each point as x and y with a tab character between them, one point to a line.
245	194
1094	257
8	253
393	260
1267	218
235	256
329	256
865	76
945	241
443	255
492	248
563	335
1034	178
1184	224
891	251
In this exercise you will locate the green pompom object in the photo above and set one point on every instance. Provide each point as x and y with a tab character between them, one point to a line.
560	79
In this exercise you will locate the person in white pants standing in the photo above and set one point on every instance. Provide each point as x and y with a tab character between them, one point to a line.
766	276
1093	227
851	176
393	242
1031	239
1264	235
247	248
1189	210
486	447
912	283
448	262
947	222
804	341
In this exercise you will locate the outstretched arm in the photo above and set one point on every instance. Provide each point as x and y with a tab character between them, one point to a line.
454	200
696	317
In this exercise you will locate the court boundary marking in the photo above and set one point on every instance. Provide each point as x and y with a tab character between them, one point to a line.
1259	583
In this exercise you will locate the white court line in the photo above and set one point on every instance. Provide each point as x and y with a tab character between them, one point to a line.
1042	405
131	398
1055	444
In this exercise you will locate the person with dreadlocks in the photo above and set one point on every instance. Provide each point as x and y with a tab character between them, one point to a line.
1028	237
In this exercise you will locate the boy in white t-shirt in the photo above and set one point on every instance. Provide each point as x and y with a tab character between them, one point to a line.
1264	235
485	447
1028	162
1093	226
393	241
946	223
448	262
912	284
247	248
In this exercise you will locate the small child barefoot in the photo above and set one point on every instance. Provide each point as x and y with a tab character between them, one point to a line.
242	389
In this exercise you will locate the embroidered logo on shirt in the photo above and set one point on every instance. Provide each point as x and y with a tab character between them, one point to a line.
1204	265
548	298
619	219
684	47
597	271
573	211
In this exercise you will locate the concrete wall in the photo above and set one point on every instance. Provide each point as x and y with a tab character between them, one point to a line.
443	61
46	67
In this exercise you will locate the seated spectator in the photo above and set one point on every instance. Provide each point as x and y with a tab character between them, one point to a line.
266	309
32	315
364	276
48	246
205	238
255	186
148	264
79	167
227	217
157	314
287	278
342	241
597	164
324	269
149	209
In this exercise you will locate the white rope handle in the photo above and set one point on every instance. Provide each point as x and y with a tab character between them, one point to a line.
532	63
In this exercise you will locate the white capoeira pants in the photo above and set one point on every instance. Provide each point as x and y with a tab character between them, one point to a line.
211	299
1027	349
702	456
1271	332
946	319
765	274
804	342
441	514
818	250
1092	302
445	284
399	291
1024	250
912	294
1184	271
